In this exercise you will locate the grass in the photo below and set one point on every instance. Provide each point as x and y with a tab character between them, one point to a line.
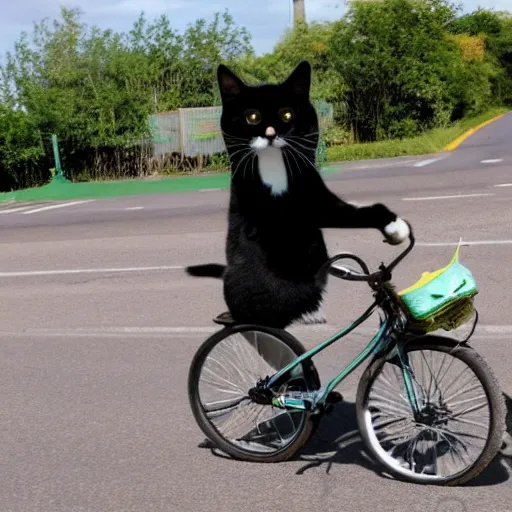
431	142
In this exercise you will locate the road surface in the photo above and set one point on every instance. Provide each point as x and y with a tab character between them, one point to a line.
98	325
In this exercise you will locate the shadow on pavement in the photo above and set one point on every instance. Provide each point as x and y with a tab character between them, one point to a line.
337	441
328	447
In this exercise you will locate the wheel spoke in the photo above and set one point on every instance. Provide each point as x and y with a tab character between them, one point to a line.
441	442
233	366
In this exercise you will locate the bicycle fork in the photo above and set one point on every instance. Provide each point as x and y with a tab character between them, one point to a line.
409	378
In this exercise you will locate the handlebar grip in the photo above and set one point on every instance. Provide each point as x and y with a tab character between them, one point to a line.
385	271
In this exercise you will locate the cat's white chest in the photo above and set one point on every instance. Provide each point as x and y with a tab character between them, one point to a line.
272	170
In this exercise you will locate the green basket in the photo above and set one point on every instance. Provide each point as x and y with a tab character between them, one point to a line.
442	299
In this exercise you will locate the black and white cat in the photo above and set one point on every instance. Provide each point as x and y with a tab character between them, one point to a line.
279	203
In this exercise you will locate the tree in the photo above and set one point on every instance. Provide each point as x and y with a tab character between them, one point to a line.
495	29
95	89
404	75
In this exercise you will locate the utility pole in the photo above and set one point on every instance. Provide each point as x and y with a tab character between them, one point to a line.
299	12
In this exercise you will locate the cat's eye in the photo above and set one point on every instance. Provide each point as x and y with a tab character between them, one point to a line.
253	117
286	115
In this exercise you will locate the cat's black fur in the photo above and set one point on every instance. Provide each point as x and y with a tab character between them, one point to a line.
275	245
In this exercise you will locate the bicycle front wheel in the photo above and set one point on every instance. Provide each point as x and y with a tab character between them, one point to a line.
462	413
225	368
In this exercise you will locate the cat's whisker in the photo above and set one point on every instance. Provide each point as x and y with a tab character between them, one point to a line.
251	160
309	161
304	138
296	144
244	157
296	162
285	155
239	161
231	155
301	155
299	144
307	135
237	144
309	146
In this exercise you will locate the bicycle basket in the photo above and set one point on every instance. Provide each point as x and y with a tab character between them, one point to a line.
441	299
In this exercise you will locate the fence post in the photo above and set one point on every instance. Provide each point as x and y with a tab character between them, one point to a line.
181	114
58	169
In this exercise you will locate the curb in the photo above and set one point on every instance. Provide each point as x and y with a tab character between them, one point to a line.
459	140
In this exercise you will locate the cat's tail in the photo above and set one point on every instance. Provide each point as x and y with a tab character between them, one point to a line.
209	270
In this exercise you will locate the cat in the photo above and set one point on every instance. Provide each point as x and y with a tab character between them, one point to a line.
279	204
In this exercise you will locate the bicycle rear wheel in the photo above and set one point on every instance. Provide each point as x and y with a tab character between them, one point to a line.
225	368
463	413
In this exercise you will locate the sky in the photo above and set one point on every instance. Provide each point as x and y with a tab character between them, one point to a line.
266	20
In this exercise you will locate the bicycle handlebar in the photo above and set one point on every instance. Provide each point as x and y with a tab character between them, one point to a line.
384	271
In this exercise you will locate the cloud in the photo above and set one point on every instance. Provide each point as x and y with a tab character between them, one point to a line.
266	20
134	7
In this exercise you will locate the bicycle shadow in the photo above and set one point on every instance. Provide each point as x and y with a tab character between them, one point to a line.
327	447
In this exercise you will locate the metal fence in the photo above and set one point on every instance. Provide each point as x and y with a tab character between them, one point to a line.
196	131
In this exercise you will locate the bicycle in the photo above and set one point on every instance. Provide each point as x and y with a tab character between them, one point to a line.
280	399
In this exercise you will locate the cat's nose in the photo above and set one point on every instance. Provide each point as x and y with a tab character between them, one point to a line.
270	132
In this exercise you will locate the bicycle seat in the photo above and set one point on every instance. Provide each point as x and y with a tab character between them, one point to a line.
224	319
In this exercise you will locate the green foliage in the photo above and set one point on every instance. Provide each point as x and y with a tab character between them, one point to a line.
496	28
481	21
95	89
427	143
23	161
404	75
305	42
392	70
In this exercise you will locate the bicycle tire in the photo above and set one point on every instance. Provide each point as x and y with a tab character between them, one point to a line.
494	397
310	374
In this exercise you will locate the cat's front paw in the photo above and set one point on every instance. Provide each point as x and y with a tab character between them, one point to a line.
397	231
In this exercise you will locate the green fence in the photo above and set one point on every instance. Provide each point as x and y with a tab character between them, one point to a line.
196	131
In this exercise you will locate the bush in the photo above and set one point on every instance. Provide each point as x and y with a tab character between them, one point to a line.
392	70
403	73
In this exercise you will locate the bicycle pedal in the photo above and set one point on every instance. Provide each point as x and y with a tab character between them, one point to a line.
334	397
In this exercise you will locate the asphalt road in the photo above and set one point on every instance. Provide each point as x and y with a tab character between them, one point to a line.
98	325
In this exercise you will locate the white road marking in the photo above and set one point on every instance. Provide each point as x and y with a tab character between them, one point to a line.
14	210
382	165
133	208
172	331
432	198
504	185
492	161
464	242
30	273
209	189
482	330
423	163
54	206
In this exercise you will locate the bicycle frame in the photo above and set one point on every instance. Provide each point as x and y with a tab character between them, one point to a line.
388	337
391	336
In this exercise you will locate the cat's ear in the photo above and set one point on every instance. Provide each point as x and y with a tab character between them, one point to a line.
300	80
229	84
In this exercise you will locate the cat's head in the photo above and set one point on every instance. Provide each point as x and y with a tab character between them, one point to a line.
269	115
